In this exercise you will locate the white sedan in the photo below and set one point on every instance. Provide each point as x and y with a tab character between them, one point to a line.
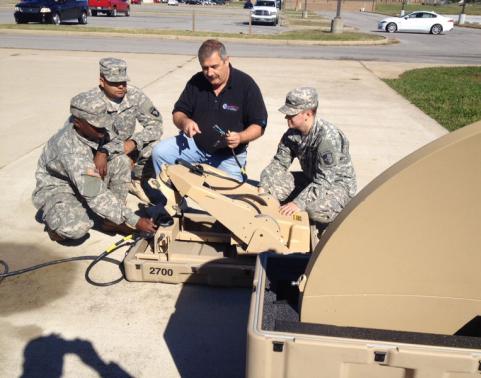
426	22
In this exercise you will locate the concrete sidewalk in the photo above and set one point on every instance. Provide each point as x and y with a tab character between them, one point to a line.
52	321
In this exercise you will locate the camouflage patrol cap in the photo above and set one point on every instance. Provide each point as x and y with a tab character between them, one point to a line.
299	99
113	69
90	108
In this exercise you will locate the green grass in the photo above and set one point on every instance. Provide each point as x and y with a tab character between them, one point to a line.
452	96
309	35
395	9
321	35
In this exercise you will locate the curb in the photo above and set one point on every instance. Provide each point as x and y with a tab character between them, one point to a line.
384	41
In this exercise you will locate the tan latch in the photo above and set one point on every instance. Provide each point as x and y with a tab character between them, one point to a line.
300	283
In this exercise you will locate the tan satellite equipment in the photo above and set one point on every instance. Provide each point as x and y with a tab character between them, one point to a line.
215	244
393	289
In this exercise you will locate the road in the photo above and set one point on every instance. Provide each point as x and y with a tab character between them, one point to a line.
460	46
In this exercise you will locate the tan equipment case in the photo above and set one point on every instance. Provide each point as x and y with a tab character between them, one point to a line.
393	289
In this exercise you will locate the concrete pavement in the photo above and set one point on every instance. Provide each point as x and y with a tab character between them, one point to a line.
53	321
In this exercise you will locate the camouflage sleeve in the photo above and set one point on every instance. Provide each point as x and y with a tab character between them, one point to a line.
84	176
151	120
333	182
115	145
278	166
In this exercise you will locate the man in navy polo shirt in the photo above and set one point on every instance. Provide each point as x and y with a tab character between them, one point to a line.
219	112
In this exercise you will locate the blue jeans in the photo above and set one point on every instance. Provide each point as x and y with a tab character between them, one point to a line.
181	147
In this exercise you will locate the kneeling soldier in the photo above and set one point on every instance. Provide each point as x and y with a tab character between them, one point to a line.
327	181
70	190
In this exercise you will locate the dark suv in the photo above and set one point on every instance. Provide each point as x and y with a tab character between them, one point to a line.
54	11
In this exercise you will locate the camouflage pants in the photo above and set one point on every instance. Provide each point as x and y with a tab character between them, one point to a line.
143	167
68	214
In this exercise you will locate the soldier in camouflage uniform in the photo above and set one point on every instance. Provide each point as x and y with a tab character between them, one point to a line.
125	105
327	181
68	183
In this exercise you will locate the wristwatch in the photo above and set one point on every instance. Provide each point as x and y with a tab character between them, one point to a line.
103	150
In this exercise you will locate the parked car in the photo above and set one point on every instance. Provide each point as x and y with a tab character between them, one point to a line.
51	11
265	11
139	2
218	2
193	2
426	22
109	7
172	2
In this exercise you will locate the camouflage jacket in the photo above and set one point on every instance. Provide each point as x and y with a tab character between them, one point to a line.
67	166
325	161
134	106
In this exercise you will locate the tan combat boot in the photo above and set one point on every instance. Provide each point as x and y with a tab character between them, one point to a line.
135	188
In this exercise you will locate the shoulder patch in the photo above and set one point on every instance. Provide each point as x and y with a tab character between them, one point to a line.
327	158
154	111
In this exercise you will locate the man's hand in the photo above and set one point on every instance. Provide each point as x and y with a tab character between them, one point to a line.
190	128
146	225
289	208
129	146
100	161
233	139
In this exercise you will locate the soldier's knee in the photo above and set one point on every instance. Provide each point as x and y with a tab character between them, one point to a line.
122	161
119	168
323	217
76	231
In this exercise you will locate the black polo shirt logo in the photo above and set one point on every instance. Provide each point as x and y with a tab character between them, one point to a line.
232	108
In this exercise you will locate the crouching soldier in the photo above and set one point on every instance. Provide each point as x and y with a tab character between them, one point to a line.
327	181
70	191
126	105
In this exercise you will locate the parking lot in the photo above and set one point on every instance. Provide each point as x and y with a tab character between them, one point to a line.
214	18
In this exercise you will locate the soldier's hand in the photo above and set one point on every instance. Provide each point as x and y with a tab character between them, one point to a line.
100	161
233	139
190	128
289	208
146	225
129	146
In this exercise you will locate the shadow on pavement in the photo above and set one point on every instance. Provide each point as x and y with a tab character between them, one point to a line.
35	289
44	357
207	333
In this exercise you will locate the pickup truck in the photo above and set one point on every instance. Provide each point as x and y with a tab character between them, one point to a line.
265	11
109	7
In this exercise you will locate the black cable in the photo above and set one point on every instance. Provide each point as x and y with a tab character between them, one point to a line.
5	269
93	263
224	134
242	169
95	259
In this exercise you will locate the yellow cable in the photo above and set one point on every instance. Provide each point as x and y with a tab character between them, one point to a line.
116	244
